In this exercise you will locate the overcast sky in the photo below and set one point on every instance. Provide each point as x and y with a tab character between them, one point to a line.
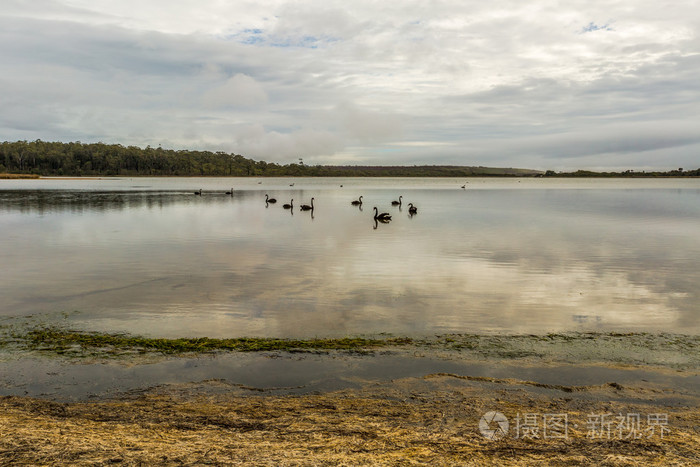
539	84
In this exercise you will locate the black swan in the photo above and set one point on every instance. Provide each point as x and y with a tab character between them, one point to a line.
357	202
269	200
198	192
290	205
412	209
385	216
397	203
306	207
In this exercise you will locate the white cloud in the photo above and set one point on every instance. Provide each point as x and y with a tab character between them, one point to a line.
589	83
238	91
287	147
367	126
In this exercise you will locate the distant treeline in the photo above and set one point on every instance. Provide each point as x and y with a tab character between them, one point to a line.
79	159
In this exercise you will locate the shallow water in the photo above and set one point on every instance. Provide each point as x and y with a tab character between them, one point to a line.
301	374
147	256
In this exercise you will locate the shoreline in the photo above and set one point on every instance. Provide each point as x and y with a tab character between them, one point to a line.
435	402
351	176
435	419
606	398
39	361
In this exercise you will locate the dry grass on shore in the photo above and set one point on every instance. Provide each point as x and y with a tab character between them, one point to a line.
431	422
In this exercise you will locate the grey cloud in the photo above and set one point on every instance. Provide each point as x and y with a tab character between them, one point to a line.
614	139
287	147
238	91
508	84
368	126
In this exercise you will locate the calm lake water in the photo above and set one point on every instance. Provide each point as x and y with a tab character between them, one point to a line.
147	256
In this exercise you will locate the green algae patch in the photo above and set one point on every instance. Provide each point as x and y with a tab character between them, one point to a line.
62	341
673	351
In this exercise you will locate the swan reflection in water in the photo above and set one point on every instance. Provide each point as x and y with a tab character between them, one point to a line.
378	221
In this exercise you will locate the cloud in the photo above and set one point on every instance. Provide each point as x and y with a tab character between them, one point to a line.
594	27
238	91
607	140
511	83
287	147
366	126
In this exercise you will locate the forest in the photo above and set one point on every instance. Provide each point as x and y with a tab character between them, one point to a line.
41	158
99	159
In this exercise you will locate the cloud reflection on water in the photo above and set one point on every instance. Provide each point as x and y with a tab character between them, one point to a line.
495	260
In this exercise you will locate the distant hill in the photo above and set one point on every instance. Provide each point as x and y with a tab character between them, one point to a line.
625	174
417	171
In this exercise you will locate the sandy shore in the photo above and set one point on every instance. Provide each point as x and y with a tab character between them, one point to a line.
431	420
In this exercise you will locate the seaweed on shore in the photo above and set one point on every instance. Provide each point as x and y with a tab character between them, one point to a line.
61	341
622	349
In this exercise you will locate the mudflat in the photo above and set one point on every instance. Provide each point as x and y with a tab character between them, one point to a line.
77	398
437	419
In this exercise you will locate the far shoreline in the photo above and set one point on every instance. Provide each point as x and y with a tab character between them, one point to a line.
466	177
98	159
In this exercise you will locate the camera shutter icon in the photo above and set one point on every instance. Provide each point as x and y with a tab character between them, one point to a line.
493	425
